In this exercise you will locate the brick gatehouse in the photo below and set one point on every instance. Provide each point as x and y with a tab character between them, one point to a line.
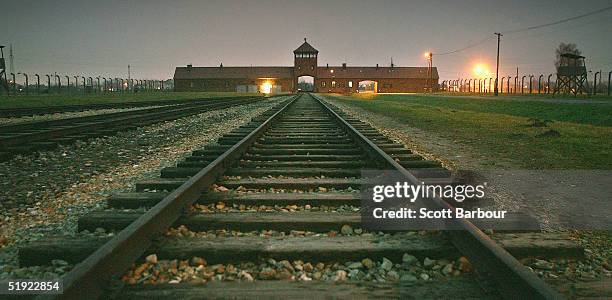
305	74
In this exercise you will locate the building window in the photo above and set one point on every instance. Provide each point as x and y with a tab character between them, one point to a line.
323	83
350	84
311	67
299	67
191	84
333	84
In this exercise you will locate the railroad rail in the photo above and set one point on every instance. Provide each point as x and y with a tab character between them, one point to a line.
302	152
43	135
31	111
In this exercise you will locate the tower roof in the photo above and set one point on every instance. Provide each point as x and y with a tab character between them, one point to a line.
305	48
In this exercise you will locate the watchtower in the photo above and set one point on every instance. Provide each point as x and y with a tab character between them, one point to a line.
571	75
305	62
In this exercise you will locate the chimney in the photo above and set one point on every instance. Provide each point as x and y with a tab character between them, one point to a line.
376	66
344	66
327	66
189	66
221	65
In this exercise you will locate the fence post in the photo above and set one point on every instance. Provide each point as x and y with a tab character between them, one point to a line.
540	82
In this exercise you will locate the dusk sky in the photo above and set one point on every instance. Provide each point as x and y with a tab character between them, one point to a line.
93	38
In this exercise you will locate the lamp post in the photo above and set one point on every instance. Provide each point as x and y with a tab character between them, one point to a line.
91	84
530	83
501	87
27	83
523	84
98	85
37	84
76	83
84	89
105	85
429	57
497	66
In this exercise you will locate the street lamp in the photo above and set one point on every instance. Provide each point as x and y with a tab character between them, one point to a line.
76	83
429	57
84	91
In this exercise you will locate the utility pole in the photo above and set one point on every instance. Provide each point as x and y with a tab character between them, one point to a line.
497	68
129	77
11	61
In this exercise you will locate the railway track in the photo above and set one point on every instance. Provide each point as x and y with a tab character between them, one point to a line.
44	135
31	111
278	199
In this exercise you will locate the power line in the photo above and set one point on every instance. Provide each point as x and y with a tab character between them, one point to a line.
528	28
560	21
466	47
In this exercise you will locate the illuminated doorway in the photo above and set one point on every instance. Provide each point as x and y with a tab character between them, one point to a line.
305	83
368	86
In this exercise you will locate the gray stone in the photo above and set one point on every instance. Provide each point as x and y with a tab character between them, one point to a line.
428	263
392	276
386	264
355	265
368	263
447	269
409	259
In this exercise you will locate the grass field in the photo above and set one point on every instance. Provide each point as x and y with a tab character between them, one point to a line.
564	136
51	100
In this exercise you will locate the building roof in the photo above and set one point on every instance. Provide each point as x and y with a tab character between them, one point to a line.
232	72
374	72
305	48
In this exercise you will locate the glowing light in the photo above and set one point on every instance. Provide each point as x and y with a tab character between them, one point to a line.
427	55
481	70
266	87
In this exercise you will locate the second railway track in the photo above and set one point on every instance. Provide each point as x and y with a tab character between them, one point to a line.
44	135
278	199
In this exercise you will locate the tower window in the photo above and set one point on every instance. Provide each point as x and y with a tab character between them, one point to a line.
323	83
350	84
333	84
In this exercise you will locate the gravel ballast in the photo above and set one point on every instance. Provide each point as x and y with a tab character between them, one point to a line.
45	193
66	115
